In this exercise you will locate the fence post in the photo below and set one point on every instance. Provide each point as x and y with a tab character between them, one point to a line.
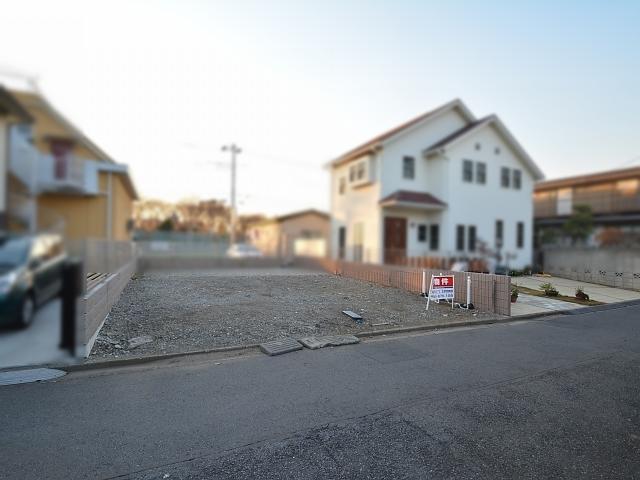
72	287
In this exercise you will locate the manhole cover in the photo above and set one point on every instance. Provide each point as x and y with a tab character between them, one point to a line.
13	377
278	347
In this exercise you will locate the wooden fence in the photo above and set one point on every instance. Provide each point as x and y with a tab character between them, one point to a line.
489	293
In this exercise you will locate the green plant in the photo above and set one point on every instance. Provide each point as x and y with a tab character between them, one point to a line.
581	295
579	225
549	290
514	291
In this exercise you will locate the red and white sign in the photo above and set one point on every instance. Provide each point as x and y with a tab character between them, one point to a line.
441	287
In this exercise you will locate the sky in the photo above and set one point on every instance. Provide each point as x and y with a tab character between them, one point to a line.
162	85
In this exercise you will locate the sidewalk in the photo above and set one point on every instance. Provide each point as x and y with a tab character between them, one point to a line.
529	304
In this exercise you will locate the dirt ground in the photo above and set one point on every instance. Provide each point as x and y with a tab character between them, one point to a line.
189	311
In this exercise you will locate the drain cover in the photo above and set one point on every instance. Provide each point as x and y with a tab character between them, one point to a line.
329	341
13	377
278	347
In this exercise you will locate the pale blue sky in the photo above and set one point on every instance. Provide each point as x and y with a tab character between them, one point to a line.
161	85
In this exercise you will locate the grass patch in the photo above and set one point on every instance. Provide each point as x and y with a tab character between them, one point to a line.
564	298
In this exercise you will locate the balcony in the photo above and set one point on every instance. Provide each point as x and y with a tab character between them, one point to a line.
42	173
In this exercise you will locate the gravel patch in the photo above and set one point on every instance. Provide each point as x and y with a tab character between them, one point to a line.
177	312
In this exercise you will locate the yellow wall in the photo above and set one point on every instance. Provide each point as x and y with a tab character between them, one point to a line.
86	216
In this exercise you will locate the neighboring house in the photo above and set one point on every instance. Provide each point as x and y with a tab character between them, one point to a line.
60	180
12	115
612	196
444	184
300	233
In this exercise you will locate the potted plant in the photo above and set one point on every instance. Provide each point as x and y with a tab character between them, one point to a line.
549	290
514	293
580	295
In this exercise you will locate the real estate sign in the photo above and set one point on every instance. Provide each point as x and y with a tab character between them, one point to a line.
441	287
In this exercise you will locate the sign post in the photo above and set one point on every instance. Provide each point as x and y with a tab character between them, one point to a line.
441	287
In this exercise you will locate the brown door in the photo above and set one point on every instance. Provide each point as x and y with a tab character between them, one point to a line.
395	239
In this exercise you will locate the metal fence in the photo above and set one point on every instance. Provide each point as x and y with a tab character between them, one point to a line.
489	293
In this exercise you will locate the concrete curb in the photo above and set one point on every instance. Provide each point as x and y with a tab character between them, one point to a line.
371	333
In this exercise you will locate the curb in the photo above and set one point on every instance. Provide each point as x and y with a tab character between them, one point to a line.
367	334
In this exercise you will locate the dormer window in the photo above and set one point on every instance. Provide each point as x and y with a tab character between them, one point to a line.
408	167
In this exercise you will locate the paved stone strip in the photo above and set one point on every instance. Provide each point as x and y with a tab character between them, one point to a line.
14	377
278	347
328	341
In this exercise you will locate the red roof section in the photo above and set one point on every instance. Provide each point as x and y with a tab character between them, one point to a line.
413	197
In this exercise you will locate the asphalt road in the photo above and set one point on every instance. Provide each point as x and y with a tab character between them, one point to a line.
558	398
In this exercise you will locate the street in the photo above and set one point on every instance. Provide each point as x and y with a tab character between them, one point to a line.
554	398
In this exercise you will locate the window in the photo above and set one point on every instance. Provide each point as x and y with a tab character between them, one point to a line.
496	150
505	177
360	171
478	146
434	237
481	173
520	235
408	167
517	179
460	238
422	233
467	171
472	238
499	234
342	185
358	241
352	173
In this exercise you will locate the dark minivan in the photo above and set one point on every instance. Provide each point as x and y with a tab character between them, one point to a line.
31	270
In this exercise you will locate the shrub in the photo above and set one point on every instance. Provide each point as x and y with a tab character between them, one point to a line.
581	295
549	290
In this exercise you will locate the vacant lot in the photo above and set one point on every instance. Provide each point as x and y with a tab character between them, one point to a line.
188	311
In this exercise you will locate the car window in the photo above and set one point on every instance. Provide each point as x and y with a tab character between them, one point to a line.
13	251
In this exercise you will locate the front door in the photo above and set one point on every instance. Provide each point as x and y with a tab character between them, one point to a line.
395	239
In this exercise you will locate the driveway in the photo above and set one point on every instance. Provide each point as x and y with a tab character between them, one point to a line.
600	293
37	344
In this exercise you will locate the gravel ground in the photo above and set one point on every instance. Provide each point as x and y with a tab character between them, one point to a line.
170	312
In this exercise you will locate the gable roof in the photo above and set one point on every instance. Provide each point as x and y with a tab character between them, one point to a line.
9	105
589	179
376	142
408	196
442	145
310	211
43	112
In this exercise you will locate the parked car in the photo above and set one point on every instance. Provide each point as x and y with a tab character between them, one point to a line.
31	269
243	250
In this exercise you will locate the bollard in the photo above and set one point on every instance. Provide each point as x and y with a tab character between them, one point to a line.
72	284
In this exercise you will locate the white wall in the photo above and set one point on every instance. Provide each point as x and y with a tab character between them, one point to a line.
482	205
354	206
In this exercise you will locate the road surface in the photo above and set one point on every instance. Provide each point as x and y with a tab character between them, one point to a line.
556	398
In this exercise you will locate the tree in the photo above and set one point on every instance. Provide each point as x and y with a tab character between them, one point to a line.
166	225
579	225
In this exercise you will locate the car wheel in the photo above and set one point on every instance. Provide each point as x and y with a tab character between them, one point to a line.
27	310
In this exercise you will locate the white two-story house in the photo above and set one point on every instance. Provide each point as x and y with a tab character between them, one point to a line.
444	184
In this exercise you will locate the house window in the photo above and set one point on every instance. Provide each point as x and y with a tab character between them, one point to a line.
408	167
342	185
520	235
481	173
472	238
434	237
496	150
460	238
360	171
505	177
422	233
478	146
517	179
467	171
352	173
358	242
499	234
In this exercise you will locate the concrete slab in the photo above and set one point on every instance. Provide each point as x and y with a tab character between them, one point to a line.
528	304
14	377
329	341
278	347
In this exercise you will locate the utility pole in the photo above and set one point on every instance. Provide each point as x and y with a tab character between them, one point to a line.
235	150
